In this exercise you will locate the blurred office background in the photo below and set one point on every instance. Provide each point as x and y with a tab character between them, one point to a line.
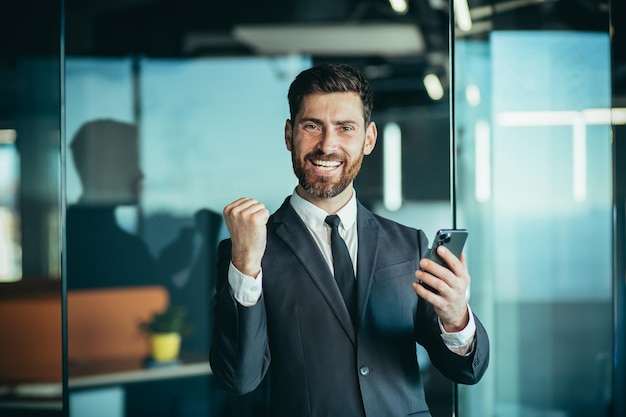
126	127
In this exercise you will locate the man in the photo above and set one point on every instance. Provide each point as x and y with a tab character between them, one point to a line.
100	252
279	307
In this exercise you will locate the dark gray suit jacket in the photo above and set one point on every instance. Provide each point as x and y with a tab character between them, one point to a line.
301	330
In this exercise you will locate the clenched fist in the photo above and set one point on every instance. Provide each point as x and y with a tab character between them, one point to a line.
246	220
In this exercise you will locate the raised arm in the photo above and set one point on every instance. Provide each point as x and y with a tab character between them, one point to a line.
240	353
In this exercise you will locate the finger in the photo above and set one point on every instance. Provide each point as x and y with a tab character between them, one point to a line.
456	265
260	214
426	294
244	207
437	284
442	304
462	259
452	261
240	205
438	271
229	208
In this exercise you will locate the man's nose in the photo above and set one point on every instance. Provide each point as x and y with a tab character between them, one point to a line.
329	141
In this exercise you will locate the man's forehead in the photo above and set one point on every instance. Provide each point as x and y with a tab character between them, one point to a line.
344	105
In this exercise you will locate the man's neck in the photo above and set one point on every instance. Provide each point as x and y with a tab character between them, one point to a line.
329	205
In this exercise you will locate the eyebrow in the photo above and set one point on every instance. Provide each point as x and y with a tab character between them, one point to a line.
336	123
310	119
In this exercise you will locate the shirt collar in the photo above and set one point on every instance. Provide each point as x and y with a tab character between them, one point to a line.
314	216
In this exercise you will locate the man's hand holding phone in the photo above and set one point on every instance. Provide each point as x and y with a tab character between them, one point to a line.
445	287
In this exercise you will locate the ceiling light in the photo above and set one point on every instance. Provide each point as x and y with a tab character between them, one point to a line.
392	167
438	4
433	87
482	163
472	95
615	116
399	6
462	15
7	136
333	39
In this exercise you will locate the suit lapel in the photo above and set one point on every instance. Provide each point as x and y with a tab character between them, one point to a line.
291	230
367	229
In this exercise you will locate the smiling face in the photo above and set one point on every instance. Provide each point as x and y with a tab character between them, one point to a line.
328	140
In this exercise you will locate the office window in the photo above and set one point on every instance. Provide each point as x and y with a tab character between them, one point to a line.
535	190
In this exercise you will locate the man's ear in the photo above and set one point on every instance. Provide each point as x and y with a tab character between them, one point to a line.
288	134
371	134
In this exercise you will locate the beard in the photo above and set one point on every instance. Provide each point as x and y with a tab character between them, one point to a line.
322	186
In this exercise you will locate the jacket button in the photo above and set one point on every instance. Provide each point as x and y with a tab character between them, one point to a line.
364	370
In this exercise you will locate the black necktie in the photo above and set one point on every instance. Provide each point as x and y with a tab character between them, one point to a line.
342	264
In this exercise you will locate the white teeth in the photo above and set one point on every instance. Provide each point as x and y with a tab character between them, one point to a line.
327	164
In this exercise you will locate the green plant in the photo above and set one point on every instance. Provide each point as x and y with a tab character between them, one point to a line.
171	320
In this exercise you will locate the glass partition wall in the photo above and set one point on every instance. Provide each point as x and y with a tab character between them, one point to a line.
154	161
31	370
618	67
535	181
167	126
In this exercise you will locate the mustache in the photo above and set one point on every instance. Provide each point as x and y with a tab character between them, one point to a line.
321	156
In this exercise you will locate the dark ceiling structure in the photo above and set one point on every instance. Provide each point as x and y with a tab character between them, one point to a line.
395	49
416	40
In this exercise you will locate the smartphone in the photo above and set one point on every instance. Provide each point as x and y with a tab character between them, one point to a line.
452	239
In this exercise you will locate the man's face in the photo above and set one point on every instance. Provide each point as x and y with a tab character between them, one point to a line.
328	140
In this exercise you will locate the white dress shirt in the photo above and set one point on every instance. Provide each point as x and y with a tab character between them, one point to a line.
247	290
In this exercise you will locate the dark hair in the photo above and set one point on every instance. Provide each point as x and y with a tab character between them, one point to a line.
330	78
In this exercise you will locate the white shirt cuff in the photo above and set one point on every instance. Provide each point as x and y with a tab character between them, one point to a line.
244	288
461	343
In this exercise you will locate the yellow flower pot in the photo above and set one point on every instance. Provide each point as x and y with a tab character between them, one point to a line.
164	346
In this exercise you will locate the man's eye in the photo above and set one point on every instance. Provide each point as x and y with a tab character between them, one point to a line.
347	128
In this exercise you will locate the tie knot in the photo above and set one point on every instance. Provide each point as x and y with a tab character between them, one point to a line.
333	220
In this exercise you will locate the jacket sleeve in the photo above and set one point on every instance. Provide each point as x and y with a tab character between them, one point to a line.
460	369
239	354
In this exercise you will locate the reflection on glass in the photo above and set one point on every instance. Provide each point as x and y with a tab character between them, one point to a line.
100	252
30	232
10	247
535	189
108	80
208	126
146	186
